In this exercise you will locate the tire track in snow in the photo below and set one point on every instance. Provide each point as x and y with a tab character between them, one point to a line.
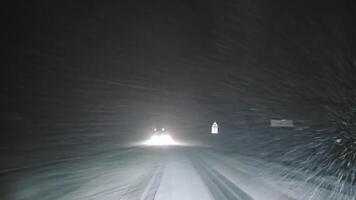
151	189
220	187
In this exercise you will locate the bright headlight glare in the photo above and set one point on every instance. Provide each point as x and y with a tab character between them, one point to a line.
160	140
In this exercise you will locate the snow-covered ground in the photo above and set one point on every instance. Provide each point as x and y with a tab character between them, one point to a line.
160	173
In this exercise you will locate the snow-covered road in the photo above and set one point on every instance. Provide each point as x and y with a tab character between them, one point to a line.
202	174
156	173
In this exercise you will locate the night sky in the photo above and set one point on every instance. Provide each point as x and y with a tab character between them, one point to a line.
79	78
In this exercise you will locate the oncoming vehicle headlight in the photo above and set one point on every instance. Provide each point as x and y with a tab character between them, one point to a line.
160	140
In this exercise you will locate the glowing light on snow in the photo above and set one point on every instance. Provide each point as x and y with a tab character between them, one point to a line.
160	140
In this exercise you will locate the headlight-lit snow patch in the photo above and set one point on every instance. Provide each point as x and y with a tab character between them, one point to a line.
160	140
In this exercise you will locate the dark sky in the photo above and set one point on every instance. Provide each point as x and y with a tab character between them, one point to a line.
104	70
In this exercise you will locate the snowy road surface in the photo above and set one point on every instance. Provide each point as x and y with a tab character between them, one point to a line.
155	173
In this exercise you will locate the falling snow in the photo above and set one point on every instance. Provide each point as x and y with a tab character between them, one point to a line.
84	86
